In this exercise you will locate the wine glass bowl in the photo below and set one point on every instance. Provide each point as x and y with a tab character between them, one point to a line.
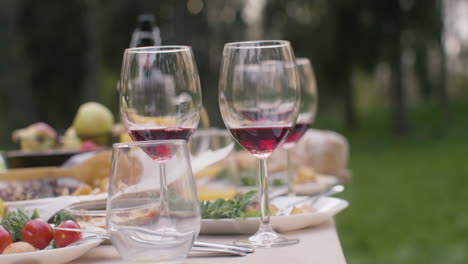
259	98
307	112
309	101
160	95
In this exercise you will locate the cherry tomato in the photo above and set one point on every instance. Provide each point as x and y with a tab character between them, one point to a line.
64	238
37	233
5	239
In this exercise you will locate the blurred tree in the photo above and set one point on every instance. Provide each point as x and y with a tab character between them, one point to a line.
342	35
74	49
17	107
55	43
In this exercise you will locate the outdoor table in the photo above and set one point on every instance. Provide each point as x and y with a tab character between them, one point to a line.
319	244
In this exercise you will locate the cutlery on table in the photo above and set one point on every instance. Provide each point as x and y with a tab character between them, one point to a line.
198	246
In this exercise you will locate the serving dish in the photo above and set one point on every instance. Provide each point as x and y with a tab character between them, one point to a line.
53	255
322	183
21	159
325	208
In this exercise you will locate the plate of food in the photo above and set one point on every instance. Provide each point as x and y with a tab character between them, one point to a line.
26	238
46	188
320	183
241	215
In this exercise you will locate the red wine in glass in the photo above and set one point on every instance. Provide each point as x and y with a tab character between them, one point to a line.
161	152
296	134
260	141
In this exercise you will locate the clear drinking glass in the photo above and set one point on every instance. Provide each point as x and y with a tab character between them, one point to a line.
135	219
307	112
259	99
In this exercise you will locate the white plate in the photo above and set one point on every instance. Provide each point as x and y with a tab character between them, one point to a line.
322	183
326	207
52	255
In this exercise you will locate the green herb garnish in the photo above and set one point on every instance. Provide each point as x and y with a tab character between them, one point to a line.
220	208
248	178
278	182
62	216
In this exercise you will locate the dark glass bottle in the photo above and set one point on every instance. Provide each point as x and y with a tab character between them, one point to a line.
146	34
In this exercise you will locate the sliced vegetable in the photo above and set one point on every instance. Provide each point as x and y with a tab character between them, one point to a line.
38	233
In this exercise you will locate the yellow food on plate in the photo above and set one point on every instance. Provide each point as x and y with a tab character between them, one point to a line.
304	175
254	206
209	172
104	184
208	194
302	209
83	189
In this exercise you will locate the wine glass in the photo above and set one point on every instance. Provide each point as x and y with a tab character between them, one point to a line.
259	99
160	96
307	111
160	99
214	164
134	213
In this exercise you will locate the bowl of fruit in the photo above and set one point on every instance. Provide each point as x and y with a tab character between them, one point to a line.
41	145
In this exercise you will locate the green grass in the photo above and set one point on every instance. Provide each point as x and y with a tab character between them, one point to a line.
408	197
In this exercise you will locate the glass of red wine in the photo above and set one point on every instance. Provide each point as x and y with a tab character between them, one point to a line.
160	99
259	99
307	111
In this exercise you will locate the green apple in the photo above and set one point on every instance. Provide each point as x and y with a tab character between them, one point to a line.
94	122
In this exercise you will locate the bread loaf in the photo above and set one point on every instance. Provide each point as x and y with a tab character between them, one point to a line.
327	152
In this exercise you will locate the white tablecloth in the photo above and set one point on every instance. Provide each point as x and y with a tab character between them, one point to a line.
317	245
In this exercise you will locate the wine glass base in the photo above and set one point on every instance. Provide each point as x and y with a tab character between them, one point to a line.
267	239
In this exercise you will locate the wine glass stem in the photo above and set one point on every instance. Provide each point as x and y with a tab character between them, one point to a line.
290	174
163	189
264	201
